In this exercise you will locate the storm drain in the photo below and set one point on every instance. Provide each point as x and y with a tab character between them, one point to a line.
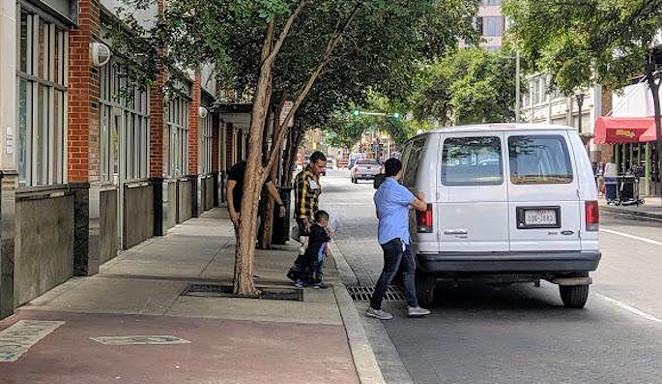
222	290
363	293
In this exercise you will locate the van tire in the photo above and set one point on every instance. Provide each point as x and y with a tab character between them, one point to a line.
425	286
574	296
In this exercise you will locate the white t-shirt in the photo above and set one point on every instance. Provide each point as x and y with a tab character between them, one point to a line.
610	170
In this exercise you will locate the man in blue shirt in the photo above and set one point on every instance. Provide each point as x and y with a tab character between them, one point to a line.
392	202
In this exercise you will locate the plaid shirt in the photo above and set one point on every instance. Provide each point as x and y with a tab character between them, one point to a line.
306	194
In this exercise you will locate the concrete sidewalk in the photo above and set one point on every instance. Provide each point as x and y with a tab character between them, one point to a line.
650	210
175	338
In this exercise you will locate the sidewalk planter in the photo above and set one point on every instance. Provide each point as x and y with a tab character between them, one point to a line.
108	224
207	193
184	199
281	232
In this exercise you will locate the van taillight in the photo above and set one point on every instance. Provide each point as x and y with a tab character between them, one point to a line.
424	220
592	216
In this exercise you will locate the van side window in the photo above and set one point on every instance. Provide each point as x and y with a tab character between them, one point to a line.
413	162
472	161
541	159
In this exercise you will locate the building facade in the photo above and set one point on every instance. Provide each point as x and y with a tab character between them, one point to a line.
90	164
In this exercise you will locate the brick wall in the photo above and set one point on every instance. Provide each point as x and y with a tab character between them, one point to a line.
83	125
606	150
157	127
194	127
215	143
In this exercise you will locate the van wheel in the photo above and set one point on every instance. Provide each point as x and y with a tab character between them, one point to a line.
574	296
425	286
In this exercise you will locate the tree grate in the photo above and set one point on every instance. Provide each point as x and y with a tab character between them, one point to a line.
225	291
363	293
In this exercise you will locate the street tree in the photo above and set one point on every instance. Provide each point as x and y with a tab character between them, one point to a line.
273	50
581	43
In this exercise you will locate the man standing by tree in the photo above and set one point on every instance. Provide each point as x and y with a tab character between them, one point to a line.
235	191
306	192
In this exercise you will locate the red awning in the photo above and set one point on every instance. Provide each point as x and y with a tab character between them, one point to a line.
619	130
649	135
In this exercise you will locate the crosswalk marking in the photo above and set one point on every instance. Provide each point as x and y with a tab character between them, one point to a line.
20	337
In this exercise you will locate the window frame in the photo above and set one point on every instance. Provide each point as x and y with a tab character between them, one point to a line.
42	95
566	154
443	177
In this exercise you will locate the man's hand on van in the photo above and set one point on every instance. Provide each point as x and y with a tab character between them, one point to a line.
419	202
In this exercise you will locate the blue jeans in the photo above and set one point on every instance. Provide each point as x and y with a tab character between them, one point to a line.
394	254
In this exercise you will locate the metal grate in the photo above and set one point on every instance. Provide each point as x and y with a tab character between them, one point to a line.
363	293
221	290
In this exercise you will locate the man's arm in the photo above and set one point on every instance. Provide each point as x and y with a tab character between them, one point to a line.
273	191
229	190
419	202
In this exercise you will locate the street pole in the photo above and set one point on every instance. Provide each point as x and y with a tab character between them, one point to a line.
580	104
517	87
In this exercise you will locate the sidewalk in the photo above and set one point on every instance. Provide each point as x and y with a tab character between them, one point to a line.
650	210
186	339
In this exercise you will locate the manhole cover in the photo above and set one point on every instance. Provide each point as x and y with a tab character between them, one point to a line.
363	293
221	290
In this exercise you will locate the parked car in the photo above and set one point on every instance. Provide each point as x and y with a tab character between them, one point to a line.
365	169
507	203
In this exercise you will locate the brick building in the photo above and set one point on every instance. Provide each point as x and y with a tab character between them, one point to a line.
88	170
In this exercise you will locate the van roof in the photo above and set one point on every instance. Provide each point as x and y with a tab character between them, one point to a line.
503	127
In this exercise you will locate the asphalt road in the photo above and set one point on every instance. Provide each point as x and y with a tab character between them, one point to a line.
520	333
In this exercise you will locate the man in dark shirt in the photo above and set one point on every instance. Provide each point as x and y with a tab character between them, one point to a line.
235	191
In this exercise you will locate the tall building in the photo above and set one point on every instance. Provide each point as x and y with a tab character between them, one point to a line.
491	24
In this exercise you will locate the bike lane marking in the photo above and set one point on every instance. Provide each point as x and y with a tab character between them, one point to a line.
20	337
633	237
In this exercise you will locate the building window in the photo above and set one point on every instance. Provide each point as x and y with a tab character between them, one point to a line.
42	101
124	127
178	118
493	26
206	133
491	2
479	25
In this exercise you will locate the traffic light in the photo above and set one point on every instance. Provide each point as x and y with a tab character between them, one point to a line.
396	116
356	113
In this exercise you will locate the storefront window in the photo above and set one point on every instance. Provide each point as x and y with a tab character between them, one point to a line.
206	144
124	126
178	118
42	101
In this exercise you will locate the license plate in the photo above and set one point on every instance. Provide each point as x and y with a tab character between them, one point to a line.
540	217
547	217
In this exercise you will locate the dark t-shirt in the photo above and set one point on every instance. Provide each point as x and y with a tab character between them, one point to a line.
237	173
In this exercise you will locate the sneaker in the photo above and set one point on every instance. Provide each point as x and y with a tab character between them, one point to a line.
320	285
299	283
378	314
417	312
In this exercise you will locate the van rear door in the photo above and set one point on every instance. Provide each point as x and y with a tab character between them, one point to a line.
472	214
545	212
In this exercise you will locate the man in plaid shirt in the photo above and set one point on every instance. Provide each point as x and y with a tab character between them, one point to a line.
306	192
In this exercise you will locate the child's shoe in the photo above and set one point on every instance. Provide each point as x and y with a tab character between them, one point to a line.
299	283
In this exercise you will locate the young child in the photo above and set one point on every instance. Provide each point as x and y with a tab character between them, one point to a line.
309	266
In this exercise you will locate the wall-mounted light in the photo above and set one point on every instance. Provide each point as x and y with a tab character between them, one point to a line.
99	54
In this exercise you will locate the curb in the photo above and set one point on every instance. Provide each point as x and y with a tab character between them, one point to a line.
632	214
363	356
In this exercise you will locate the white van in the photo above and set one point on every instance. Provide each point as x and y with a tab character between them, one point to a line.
507	203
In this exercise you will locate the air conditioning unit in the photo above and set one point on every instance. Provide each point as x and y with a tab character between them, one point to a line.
99	54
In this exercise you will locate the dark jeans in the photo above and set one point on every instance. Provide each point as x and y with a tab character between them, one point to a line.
393	256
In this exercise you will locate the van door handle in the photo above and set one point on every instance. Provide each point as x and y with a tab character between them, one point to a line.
456	231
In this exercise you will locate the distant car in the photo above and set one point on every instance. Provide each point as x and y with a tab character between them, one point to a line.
365	169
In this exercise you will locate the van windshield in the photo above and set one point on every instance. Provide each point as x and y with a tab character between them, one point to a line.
471	161
542	159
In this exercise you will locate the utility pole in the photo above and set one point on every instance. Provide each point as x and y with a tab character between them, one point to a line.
517	87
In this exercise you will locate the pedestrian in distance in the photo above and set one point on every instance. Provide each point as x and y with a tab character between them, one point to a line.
235	192
308	268
392	202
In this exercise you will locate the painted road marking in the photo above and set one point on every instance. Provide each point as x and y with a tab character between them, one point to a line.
629	308
20	337
140	340
645	240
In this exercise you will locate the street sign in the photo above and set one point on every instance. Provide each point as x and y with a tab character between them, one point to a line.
287	107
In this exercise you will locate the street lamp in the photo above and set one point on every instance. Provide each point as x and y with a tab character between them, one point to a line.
580	103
